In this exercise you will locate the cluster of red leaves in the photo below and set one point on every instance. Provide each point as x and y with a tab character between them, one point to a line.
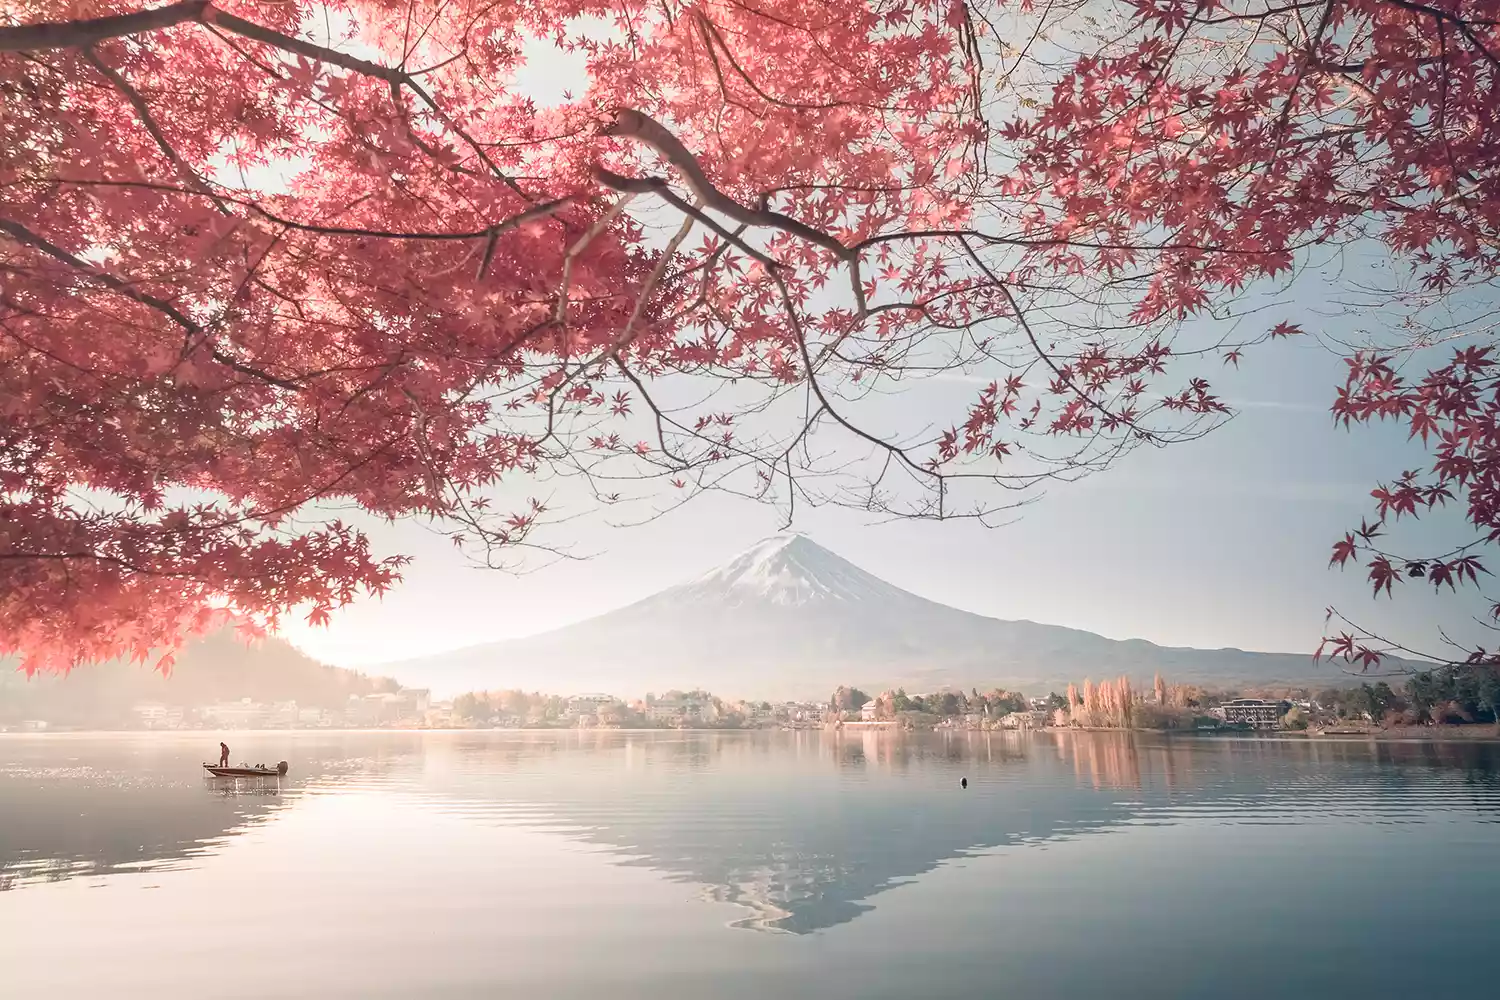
281	255
1455	407
1383	120
1237	133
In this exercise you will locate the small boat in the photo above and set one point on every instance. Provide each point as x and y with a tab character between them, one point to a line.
258	771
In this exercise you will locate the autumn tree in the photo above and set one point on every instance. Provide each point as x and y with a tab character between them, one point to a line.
1110	704
265	262
1244	133
1249	131
1469	692
472	706
1089	699
1487	688
1167	709
848	699
1002	702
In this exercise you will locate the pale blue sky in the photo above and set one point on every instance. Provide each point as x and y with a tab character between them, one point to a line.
1219	542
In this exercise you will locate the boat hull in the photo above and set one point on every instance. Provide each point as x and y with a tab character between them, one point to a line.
241	772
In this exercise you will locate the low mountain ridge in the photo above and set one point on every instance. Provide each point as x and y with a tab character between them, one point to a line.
790	619
213	668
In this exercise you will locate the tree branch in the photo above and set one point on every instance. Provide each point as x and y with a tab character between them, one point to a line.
143	112
659	187
25	236
75	34
642	128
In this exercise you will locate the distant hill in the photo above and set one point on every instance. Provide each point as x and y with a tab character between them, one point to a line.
218	667
789	618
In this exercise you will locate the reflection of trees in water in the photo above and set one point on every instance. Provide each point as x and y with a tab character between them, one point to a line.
803	829
1104	760
891	752
1123	760
772	822
775	824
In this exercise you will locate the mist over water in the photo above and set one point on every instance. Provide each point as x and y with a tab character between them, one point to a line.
472	864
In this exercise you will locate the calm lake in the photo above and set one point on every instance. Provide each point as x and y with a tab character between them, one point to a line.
745	865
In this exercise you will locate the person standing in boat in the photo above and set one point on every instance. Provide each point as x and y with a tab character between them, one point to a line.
223	754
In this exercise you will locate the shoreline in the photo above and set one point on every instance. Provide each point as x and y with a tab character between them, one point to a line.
1410	734
1433	734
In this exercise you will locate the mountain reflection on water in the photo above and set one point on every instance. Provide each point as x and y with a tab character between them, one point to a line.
805	830
802	830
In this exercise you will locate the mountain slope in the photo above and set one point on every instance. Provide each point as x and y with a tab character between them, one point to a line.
789	618
216	667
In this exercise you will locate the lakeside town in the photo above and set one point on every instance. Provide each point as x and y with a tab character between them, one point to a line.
1444	698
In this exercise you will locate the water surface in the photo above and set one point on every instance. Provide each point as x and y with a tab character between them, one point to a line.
732	865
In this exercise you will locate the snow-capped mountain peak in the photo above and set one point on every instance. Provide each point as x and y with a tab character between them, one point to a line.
788	618
785	569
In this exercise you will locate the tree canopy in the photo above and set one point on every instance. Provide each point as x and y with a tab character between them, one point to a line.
264	261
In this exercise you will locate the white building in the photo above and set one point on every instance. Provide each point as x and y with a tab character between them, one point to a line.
1255	712
1024	720
149	712
314	717
283	713
242	714
383	707
154	715
868	711
589	704
798	711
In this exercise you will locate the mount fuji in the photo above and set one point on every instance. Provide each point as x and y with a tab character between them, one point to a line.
790	619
